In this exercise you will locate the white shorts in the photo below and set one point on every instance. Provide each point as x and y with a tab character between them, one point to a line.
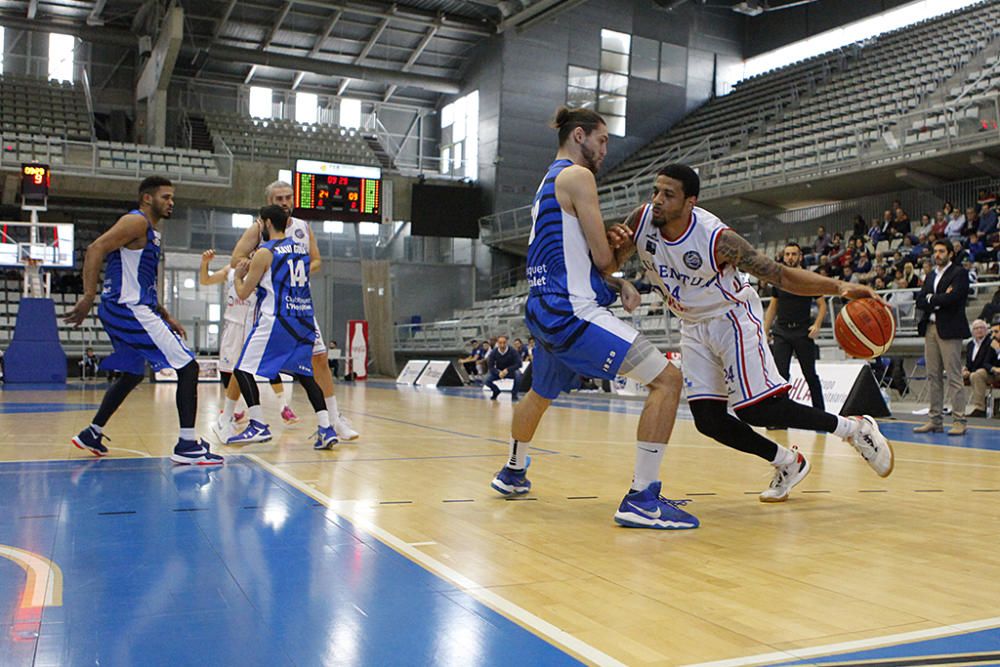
234	335
727	358
319	347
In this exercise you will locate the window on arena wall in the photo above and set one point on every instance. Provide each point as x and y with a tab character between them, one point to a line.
604	89
460	137
306	107
61	53
261	105
333	226
350	113
3	44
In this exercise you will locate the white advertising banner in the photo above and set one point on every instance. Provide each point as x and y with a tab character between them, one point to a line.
412	371
836	377
432	374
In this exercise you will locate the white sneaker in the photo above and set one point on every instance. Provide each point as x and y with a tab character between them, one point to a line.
344	430
223	431
785	477
873	446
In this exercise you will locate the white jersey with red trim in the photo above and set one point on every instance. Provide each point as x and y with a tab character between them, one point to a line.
238	311
684	271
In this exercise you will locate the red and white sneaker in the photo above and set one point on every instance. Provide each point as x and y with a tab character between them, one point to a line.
785	477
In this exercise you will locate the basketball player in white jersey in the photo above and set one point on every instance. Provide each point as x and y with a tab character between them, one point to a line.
281	194
237	320
697	264
568	268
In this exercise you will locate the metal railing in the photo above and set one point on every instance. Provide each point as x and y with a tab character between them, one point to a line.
82	158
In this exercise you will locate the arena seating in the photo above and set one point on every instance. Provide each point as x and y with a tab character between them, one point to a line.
830	107
275	138
38	106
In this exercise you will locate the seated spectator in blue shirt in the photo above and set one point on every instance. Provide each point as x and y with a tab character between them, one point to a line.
521	350
987	221
503	362
977	248
863	264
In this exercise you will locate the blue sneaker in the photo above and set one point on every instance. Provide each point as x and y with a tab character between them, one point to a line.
195	453
90	440
648	509
326	438
254	432
509	481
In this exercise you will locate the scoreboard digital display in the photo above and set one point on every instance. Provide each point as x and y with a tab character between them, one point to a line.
35	179
331	191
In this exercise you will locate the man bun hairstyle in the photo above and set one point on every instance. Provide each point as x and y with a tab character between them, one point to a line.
567	119
277	216
686	175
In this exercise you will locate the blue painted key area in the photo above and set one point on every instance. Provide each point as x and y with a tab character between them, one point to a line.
171	565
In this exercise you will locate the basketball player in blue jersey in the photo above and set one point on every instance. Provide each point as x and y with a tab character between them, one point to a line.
284	332
696	263
568	269
281	194
140	328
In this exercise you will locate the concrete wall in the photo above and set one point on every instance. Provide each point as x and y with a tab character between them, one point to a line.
776	29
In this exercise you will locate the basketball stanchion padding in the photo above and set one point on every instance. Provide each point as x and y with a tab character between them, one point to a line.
34	354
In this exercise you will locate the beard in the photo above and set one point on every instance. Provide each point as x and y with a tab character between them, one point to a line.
164	213
659	223
589	158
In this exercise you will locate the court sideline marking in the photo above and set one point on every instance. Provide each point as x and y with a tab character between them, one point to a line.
512	611
873	642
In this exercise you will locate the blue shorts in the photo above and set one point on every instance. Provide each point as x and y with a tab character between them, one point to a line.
590	342
279	344
139	334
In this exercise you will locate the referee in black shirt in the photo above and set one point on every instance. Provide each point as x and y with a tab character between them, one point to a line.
794	330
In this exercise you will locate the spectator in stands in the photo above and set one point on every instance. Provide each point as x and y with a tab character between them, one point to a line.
531	348
469	360
904	301
926	224
973	275
89	364
862	262
985	198
922	244
956	225
885	226
900	223
971	221
987	221
909	274
906	249
847	275
333	358
820	246
860	227
504	362
485	349
991	309
959	253
980	360
977	248
940	223
521	350
926	269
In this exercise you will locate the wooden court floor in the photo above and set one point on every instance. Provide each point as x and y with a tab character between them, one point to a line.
851	561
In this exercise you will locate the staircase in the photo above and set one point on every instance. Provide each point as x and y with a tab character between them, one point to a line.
384	159
201	138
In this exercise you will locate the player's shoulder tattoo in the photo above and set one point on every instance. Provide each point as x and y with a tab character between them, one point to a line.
734	250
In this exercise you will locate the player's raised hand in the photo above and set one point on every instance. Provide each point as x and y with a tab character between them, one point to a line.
78	313
858	291
618	235
207	256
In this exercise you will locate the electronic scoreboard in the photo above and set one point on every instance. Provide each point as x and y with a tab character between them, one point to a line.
35	180
331	191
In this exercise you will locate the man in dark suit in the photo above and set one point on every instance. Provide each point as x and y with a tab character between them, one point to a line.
980	358
504	362
943	324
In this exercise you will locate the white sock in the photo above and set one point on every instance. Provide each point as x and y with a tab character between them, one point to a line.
288	394
784	456
648	456
256	413
518	455
227	411
188	434
331	405
846	427
96	428
324	418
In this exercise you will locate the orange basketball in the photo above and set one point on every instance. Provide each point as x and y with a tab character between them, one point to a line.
865	328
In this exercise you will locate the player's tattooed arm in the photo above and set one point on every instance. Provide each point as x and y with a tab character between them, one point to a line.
731	249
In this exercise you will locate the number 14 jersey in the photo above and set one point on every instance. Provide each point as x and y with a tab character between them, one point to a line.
284	288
